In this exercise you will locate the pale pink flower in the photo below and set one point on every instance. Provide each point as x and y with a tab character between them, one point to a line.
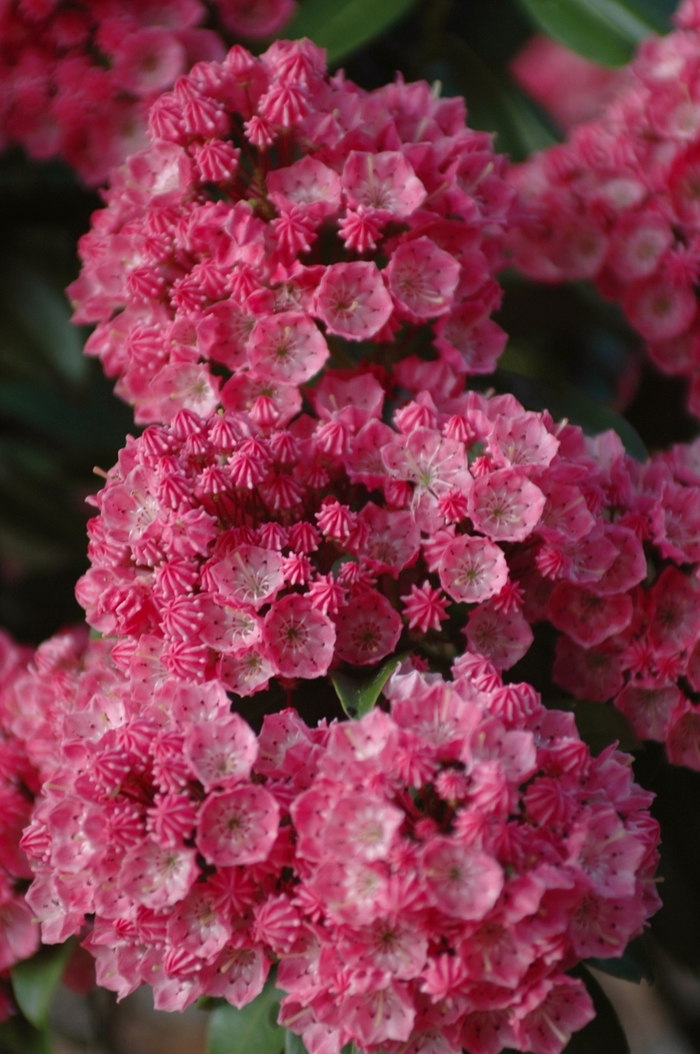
158	877
422	278
352	300
472	569
299	638
505	505
238	826
384	181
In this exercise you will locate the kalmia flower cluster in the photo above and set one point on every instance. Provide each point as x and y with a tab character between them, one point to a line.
280	216
247	554
19	783
636	643
77	79
618	201
455	858
424	877
155	821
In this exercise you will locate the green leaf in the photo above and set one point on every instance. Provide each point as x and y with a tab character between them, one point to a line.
43	314
18	1036
34	981
293	1044
359	694
604	1032
604	31
600	724
563	400
635	965
343	26
94	420
252	1030
494	105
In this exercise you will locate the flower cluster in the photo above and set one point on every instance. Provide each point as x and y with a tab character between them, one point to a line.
423	877
455	859
618	201
280	215
156	821
636	643
19	783
77	79
246	554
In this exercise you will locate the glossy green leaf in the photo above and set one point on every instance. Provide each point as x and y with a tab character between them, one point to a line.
563	400
605	31
600	724
493	103
343	26
357	693
34	981
252	1030
604	1034
42	313
18	1036
94	420
293	1044
635	965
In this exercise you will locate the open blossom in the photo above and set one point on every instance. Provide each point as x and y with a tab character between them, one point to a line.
77	79
209	275
452	867
618	201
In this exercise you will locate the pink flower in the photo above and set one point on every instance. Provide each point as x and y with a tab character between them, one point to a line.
287	348
472	569
158	877
503	637
384	181
505	505
368	629
221	754
425	608
464	883
352	300
238	826
422	278
299	638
